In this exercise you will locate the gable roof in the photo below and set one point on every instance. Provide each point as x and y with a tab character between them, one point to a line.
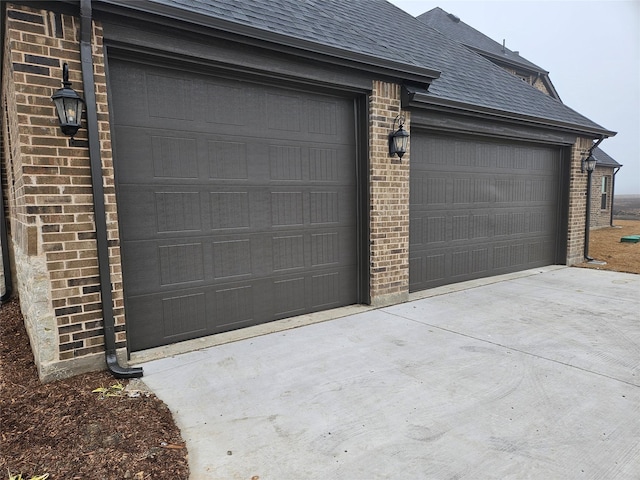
452	27
367	28
603	159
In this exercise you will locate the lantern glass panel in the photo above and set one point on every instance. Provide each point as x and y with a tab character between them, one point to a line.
400	141
71	110
60	110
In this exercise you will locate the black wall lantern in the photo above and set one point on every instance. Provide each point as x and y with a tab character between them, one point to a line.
68	105
399	139
588	164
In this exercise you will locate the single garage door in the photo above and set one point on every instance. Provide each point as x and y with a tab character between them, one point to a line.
236	202
480	208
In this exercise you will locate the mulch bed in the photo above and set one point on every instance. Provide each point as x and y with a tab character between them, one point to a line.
66	430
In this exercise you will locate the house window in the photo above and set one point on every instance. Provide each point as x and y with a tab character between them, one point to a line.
605	190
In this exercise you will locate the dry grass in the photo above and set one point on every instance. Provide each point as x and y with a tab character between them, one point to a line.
605	245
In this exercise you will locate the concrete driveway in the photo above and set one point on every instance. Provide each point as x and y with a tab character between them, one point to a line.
535	375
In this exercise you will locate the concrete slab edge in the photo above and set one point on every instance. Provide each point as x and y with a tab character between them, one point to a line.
245	333
317	317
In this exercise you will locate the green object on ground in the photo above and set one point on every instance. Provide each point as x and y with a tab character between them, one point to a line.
630	239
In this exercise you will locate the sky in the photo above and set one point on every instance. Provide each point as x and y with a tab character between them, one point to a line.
591	49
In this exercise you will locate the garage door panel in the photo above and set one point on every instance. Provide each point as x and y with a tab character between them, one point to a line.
456	190
230	107
178	314
147	212
459	225
243	202
180	157
193	312
432	267
164	264
150	211
480	208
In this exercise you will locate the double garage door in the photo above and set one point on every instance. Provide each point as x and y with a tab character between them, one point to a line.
237	202
481	208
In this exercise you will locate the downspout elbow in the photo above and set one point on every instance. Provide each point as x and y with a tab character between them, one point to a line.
8	289
6	262
595	145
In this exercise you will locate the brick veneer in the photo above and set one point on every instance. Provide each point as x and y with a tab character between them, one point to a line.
50	194
389	194
577	202
600	217
533	80
539	84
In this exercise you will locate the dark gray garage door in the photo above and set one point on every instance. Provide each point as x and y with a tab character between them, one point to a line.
237	202
480	208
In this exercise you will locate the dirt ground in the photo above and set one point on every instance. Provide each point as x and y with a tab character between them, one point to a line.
605	245
69	432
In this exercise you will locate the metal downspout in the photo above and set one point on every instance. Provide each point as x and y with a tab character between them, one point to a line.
613	191
594	146
98	198
587	222
4	238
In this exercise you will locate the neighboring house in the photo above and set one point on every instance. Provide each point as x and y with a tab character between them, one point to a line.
451	26
246	169
603	181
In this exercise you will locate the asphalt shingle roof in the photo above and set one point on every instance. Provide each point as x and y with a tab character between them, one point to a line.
604	159
379	29
454	28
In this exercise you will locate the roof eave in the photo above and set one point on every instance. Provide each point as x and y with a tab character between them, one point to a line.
528	67
275	41
609	165
417	99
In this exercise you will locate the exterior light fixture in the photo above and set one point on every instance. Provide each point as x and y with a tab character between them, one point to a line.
399	139
588	164
68	105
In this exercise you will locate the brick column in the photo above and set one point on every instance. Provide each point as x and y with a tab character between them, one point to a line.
577	203
389	201
50	195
